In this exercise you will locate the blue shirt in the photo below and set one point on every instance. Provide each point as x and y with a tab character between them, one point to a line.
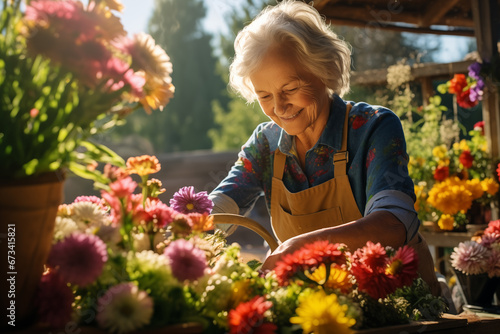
377	159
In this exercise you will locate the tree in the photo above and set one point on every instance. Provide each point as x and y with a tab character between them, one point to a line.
184	124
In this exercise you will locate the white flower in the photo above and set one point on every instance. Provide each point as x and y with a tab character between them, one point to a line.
124	308
64	227
89	213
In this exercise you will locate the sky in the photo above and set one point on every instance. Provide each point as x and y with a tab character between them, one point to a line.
137	13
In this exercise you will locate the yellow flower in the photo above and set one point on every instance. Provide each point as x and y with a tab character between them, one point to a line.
439	151
157	93
338	278
143	165
463	146
240	292
475	187
322	314
444	161
490	186
446	222
450	196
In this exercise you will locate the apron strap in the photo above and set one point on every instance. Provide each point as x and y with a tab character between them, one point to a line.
279	164
341	158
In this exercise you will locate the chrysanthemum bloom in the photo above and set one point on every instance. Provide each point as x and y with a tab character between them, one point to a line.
156	212
54	300
157	93
309	257
201	222
469	257
490	186
143	165
493	227
488	239
79	258
446	222
89	213
187	261
372	255
476	187
187	201
403	266
124	308
441	173
320	313
93	199
250	317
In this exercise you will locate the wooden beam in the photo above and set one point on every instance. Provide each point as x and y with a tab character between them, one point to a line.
402	28
435	11
485	14
320	4
419	71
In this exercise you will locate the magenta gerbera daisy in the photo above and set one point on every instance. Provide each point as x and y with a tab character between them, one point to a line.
79	258
187	261
403	266
186	201
54	300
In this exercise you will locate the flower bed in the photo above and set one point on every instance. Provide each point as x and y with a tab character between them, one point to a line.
128	261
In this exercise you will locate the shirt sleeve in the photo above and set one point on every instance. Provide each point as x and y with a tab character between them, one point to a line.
244	182
224	204
400	205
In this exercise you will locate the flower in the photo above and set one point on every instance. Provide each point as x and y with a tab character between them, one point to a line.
441	173
249	317
187	201
124	308
187	261
54	300
70	77
79	258
493	227
446	222
322	314
469	257
466	159
338	279
403	266
143	165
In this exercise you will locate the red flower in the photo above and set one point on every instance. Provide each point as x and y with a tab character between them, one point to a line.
498	171
403	266
466	159
457	84
249	317
493	227
309	257
463	100
441	173
479	126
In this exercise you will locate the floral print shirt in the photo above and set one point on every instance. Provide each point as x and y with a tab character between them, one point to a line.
377	158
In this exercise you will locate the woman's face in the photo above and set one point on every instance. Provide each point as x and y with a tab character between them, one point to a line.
294	99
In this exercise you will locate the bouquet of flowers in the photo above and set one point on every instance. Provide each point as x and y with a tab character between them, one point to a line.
468	90
457	178
69	71
128	261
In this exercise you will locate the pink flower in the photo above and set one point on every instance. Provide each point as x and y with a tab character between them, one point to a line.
469	257
488	239
404	265
92	199
79	258
493	226
54	300
187	201
122	188
156	212
187	261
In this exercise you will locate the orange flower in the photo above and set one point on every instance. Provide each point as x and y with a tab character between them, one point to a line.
201	222
457	84
143	165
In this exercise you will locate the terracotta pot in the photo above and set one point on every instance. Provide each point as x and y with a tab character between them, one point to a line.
478	290
28	208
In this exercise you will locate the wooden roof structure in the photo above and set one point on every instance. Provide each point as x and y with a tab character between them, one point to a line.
477	18
449	17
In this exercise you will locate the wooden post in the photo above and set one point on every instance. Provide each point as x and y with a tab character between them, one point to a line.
486	27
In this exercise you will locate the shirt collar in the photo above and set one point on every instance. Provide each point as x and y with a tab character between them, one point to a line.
332	134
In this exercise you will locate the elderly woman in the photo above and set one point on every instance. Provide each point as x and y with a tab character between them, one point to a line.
328	168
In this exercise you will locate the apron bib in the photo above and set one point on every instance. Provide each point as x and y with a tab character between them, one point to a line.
329	204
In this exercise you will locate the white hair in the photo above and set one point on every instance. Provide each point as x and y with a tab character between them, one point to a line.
300	26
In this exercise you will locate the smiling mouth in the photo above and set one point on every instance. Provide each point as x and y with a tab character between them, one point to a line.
293	116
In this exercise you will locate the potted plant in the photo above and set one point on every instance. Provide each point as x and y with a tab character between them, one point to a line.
68	71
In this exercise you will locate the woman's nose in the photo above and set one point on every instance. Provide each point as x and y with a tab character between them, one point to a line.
281	105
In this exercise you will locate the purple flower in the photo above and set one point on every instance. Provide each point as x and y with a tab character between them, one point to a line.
187	201
186	261
476	91
79	258
474	70
54	300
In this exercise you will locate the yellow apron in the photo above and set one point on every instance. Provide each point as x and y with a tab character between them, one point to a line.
329	204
